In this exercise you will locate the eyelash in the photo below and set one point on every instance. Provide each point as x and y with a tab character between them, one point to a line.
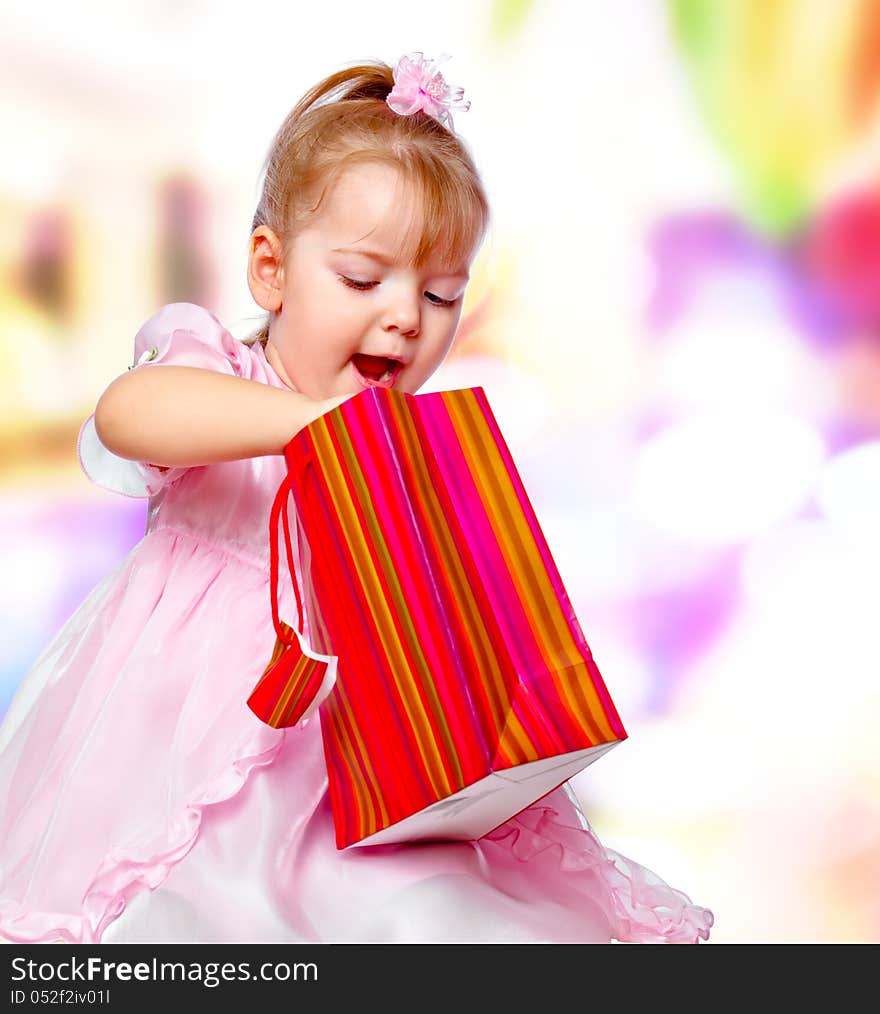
444	304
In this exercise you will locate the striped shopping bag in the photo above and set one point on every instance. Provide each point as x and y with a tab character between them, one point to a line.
465	689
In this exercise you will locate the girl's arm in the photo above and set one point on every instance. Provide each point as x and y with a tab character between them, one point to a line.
183	416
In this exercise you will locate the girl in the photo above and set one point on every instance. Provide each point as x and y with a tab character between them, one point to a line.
142	799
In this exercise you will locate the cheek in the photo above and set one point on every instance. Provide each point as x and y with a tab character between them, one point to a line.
325	324
449	332
336	304
453	320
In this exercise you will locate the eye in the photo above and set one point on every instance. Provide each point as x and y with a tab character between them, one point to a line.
353	283
439	301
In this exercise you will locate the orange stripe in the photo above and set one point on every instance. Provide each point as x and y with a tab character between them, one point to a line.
454	572
415	669
375	588
497	693
552	635
292	691
516	541
515	742
357	780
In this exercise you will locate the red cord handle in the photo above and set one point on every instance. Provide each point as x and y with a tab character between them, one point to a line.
279	507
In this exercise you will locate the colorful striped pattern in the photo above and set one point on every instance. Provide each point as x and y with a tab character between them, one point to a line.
288	684
459	652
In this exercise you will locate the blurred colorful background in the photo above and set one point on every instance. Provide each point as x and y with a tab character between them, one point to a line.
676	319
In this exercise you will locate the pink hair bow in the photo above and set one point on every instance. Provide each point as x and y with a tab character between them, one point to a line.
418	84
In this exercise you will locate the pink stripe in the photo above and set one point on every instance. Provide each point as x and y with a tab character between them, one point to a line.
549	563
481	539
402	527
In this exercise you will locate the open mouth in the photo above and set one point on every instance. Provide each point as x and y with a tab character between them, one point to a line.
376	371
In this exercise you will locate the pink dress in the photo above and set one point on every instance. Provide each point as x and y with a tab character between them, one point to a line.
143	801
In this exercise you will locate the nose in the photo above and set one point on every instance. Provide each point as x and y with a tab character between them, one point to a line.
402	314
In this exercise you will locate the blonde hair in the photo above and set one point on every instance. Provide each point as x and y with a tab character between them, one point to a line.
345	121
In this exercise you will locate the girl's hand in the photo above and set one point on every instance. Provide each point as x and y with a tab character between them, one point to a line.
321	406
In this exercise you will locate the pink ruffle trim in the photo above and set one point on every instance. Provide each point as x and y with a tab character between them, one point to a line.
640	906
121	876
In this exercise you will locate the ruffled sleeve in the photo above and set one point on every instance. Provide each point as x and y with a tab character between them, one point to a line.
179	334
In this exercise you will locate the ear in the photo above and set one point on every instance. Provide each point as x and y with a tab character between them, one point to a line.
265	272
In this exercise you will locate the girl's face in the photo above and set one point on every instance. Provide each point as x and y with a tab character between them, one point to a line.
349	291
